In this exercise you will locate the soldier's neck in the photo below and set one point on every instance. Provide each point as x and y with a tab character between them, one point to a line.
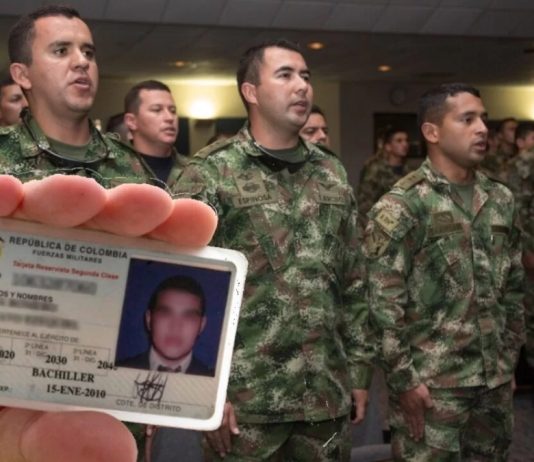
68	130
271	137
151	149
393	160
453	172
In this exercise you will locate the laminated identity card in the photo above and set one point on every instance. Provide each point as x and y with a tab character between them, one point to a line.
129	326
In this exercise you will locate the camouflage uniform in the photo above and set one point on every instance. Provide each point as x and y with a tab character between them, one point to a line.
179	163
22	157
521	182
445	287
301	344
496	165
376	179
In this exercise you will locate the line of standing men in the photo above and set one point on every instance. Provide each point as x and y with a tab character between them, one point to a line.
449	327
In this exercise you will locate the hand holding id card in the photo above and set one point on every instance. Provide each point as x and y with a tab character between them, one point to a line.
129	326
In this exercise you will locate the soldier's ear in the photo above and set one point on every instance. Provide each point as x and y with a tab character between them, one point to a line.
431	132
130	120
249	92
19	73
147	320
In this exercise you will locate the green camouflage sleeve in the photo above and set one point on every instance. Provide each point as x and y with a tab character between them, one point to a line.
389	243
359	341
367	187
198	181
513	294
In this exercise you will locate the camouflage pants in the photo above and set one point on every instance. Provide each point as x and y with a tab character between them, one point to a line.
465	424
328	441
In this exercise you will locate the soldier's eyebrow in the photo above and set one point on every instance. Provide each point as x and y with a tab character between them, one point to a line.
89	45
60	43
285	69
482	115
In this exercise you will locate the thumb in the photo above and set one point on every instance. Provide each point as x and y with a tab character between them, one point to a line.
232	421
428	402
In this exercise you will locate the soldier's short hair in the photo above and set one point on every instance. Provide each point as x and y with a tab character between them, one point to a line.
22	33
502	123
6	81
132	100
523	129
391	132
179	283
248	69
317	110
433	103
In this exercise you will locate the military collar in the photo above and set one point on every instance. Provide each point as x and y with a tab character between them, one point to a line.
437	178
96	143
252	148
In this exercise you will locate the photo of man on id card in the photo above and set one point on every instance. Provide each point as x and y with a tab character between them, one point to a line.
174	318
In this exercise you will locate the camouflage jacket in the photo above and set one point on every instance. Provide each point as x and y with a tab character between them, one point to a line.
376	179
23	157
496	165
180	161
302	340
521	182
445	283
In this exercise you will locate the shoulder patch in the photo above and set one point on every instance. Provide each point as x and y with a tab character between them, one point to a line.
392	217
410	180
376	242
214	147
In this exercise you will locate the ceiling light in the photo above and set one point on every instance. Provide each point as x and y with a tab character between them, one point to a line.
384	68
179	63
202	109
316	45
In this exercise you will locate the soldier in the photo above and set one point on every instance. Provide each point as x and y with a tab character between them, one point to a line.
315	130
53	60
521	182
12	101
150	115
445	277
496	163
34	436
383	170
301	349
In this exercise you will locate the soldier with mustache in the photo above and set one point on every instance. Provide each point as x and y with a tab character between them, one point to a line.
445	285
53	60
302	351
151	117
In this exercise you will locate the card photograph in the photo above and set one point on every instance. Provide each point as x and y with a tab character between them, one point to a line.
172	317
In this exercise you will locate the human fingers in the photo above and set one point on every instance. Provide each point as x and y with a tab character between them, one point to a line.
61	200
11	192
228	427
232	419
360	398
215	440
190	224
33	436
133	210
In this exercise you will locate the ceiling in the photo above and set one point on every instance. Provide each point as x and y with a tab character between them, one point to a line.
479	41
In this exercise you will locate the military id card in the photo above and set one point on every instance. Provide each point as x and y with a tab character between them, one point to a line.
128	326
